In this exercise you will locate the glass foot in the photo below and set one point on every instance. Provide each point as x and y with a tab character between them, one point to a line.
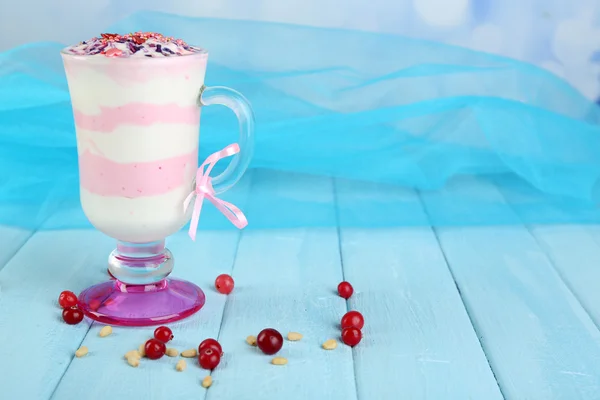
117	303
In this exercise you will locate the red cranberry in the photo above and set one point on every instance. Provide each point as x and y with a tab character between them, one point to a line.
94	304
109	36
353	318
351	336
269	341
155	349
224	284
209	358
210	344
72	315
345	290
138	40
67	299
163	334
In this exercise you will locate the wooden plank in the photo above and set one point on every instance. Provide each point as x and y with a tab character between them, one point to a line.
574	250
419	342
36	345
13	236
286	279
538	338
12	240
201	261
575	255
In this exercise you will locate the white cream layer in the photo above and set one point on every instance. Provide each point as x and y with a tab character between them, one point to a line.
138	220
91	89
128	144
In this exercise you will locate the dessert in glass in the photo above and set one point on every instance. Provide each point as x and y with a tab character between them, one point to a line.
136	103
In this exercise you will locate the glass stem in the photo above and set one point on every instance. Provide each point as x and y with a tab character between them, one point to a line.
140	263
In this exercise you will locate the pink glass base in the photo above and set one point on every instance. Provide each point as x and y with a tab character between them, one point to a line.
117	303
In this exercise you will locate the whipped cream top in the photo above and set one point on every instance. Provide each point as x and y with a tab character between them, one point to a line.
139	44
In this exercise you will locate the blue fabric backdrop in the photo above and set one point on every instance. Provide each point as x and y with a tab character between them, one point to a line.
562	36
359	106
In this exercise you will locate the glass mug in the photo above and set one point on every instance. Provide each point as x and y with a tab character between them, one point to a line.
137	123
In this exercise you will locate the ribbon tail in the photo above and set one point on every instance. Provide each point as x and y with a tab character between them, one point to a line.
231	212
195	217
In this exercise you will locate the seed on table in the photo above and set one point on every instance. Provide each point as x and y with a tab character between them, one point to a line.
206	382
133	353
171	352
82	351
133	361
180	365
142	350
294	336
190	353
107	330
279	361
251	340
330	344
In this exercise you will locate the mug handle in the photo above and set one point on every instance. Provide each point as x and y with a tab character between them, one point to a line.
237	103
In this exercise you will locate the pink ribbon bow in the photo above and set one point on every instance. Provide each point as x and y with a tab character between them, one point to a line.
204	189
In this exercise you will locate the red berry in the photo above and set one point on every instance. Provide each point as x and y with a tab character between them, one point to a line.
269	341
94	304
224	284
345	290
155	349
67	299
210	344
163	334
351	336
353	318
209	358
72	315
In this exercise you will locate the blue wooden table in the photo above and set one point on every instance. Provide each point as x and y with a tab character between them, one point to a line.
451	313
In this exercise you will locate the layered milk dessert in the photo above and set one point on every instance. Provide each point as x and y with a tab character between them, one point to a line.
135	104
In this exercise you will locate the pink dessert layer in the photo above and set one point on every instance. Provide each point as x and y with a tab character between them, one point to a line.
104	177
139	44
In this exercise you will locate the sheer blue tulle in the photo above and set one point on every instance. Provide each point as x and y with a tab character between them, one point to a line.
353	129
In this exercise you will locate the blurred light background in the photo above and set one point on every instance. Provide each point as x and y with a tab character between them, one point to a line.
562	36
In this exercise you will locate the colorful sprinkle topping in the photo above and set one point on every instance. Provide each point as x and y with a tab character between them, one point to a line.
138	44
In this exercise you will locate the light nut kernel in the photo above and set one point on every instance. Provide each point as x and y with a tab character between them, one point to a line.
190	353
206	382
104	332
82	351
279	361
180	365
330	344
251	340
